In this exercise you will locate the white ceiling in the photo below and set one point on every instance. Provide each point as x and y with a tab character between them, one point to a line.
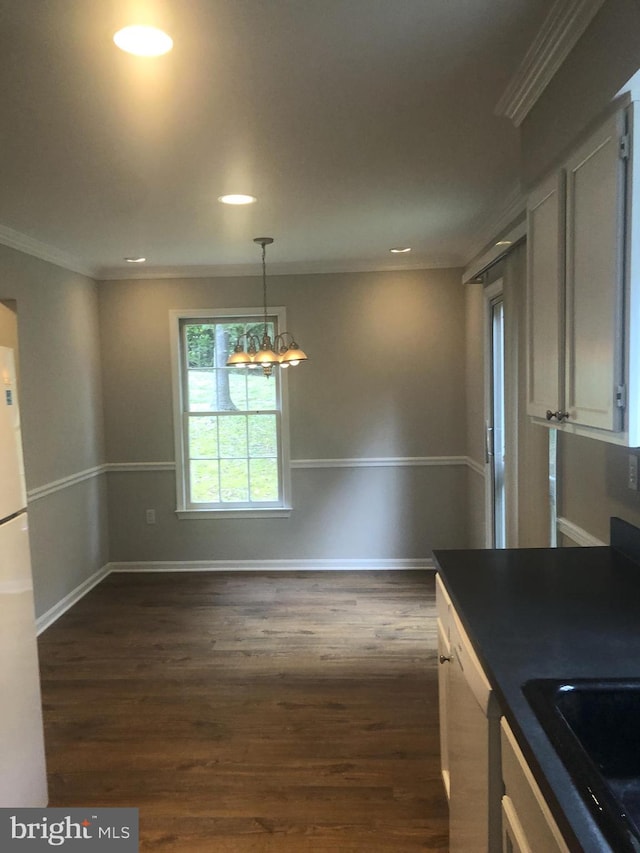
359	125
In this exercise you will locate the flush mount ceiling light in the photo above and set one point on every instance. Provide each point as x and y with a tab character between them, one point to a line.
503	243
143	41
237	198
135	260
264	353
400	250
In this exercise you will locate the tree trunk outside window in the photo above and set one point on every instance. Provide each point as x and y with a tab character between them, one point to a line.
223	392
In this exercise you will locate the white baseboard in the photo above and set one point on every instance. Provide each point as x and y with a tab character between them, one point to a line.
273	565
55	612
47	619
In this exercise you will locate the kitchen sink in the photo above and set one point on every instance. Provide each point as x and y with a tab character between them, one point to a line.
594	726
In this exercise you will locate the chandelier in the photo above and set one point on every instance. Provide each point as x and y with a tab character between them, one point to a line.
263	353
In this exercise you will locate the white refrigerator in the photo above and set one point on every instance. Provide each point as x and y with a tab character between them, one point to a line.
23	778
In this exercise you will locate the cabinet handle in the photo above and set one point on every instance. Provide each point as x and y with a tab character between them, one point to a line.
559	416
444	659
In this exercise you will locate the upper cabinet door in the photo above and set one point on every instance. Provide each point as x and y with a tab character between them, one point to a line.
545	297
594	279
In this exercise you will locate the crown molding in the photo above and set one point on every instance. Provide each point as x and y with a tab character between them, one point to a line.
30	246
292	268
494	228
495	253
35	248
563	26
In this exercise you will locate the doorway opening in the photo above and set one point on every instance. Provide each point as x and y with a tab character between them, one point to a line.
496	497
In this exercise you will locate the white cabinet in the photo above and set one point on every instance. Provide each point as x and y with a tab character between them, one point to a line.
595	278
470	739
582	318
527	823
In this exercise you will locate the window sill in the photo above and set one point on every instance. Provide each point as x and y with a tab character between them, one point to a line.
270	512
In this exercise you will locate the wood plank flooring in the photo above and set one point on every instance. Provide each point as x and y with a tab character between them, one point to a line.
283	712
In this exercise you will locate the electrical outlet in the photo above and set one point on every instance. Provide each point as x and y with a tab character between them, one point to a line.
151	516
632	481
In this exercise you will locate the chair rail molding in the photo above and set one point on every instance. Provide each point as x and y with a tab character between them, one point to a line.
356	462
64	483
577	534
380	462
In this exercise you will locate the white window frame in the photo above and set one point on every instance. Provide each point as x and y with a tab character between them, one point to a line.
183	510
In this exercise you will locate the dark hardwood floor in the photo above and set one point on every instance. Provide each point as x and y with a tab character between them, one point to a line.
284	712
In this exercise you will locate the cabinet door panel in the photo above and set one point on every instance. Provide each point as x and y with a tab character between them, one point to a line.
594	285
444	652
469	767
545	297
532	826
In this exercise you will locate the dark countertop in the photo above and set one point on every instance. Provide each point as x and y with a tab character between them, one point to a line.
548	613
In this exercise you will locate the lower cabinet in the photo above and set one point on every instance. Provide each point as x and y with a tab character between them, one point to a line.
470	739
443	607
495	804
527	823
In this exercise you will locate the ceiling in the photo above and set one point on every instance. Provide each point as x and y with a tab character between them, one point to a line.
359	125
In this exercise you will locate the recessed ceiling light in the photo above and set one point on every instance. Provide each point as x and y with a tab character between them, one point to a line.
143	41
135	260
237	198
503	243
400	250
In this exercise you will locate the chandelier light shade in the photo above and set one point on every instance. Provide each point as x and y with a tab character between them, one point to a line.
283	351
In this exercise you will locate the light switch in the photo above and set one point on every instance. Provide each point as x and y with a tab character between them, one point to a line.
632	481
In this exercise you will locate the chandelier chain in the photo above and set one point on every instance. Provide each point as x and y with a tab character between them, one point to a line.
264	285
266	353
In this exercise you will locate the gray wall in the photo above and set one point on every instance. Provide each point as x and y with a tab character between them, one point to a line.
385	379
591	474
592	484
9	326
61	410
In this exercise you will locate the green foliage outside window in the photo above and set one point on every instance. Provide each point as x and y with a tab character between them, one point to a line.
233	426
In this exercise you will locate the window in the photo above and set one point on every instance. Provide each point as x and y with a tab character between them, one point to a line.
230	425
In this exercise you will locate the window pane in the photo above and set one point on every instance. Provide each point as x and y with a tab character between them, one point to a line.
257	330
263	439
233	437
264	479
200	344
230	392
261	390
237	382
202	391
234	480
203	438
204	482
